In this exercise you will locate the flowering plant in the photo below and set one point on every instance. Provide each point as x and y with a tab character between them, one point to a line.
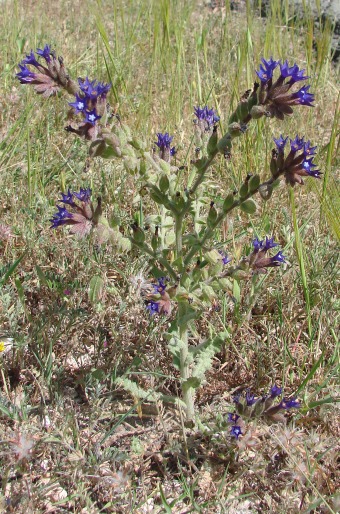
188	268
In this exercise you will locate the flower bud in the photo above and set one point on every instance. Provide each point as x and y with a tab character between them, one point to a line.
235	130
257	111
212	216
224	144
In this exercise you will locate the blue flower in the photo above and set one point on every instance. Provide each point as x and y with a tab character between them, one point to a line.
161	286
207	115
153	307
293	72
269	243
30	59
297	144
250	398
307	166
280	143
266	70
45	53
164	144
275	391
225	259
67	198
264	245
25	75
258	245
91	116
291	403
93	89
236	431
61	217
84	195
302	97
79	105
308	149
163	140
232	417
278	259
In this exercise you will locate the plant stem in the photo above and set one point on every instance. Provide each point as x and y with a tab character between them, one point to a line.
210	231
179	235
188	392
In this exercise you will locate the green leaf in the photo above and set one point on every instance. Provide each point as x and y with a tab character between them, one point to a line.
228	202
190	314
96	288
254	183
11	269
248	206
191	383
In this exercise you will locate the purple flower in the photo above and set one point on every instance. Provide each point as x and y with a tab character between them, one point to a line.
225	259
308	165
280	143
258	259
164	144
61	217
161	286
84	195
268	244
207	115
25	75
293	72
275	391
80	216
45	53
264	245
250	398
30	59
153	307
235	431
258	245
297	144
67	198
291	403
92	116
93	89
163	141
232	417
302	97
79	105
296	165
265	72
308	149
278	259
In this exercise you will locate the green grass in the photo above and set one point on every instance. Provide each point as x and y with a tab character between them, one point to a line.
97	447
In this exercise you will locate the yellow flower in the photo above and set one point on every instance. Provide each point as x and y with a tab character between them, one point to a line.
2	346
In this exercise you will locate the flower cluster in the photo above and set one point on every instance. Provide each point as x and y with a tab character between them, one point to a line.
48	77
297	164
206	118
78	212
259	261
251	407
278	97
158	302
90	102
166	151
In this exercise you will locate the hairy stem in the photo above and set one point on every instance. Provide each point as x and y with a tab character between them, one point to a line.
188	392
